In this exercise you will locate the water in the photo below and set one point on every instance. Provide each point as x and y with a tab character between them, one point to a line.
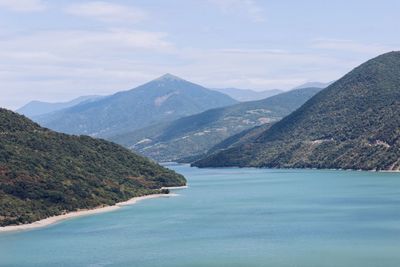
233	217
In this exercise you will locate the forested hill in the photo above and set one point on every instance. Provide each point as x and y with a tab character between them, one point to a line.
44	173
352	124
163	99
194	135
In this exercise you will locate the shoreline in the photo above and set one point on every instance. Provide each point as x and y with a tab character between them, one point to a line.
289	168
174	187
74	214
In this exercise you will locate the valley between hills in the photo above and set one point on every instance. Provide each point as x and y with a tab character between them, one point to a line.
61	163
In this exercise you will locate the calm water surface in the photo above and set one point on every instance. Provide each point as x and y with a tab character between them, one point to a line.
233	217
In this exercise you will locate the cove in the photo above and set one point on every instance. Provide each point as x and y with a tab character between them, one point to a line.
232	217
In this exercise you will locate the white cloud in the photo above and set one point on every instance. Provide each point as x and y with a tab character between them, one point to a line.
23	5
350	46
57	65
260	69
247	8
107	11
85	42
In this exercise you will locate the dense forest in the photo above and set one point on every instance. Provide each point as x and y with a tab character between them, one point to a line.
44	173
352	124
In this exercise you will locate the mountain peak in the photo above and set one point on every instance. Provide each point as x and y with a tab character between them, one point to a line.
113	114
169	77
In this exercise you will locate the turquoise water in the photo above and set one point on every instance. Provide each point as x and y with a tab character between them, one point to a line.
233	217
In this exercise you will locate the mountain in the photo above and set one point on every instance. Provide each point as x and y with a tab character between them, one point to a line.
194	135
352	124
164	99
44	173
242	137
37	108
243	95
314	84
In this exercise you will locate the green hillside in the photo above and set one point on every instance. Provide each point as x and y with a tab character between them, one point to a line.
164	99
192	136
44	173
352	124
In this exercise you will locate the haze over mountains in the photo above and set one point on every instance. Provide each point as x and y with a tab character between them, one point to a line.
352	124
160	100
156	119
243	95
171	119
313	84
194	135
37	108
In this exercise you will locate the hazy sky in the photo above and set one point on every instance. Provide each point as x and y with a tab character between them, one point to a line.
57	50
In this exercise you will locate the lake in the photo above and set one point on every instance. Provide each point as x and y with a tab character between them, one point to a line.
233	217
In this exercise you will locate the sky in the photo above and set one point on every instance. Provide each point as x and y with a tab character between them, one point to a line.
58	50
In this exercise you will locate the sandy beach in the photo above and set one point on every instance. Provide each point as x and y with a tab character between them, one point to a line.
59	218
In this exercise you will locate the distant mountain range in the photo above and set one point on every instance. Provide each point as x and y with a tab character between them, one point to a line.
193	136
314	84
163	99
243	95
44	173
37	108
170	119
352	124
